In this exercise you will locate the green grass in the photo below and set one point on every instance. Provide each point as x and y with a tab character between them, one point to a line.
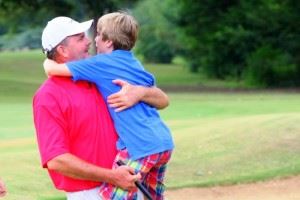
20	75
221	138
233	138
178	74
24	68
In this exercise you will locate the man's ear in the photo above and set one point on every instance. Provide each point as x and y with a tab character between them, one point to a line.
62	51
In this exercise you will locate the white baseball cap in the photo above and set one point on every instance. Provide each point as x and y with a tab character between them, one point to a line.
59	28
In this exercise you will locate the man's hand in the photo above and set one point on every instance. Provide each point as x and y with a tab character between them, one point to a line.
2	189
128	96
124	177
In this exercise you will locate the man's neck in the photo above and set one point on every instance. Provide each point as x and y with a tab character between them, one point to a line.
60	60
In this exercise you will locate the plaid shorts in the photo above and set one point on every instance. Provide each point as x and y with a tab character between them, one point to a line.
152	169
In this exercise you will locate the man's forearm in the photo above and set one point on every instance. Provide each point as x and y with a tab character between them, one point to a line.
72	166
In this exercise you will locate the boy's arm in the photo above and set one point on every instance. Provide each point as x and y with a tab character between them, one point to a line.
129	95
52	68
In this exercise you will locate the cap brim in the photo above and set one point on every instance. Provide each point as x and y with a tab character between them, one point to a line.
87	24
83	27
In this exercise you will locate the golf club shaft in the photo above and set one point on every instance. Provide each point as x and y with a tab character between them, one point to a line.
138	184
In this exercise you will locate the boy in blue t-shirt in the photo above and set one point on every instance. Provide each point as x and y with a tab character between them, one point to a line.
145	142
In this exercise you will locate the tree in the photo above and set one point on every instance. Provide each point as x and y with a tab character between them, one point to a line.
157	36
18	16
23	14
223	36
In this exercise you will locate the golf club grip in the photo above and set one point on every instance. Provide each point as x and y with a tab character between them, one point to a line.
138	184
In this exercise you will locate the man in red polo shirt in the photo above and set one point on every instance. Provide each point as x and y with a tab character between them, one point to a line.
75	133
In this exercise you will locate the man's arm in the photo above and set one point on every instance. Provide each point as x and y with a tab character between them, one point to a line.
53	145
129	95
72	166
155	97
52	68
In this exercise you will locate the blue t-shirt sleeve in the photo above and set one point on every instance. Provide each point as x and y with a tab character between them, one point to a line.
86	69
102	68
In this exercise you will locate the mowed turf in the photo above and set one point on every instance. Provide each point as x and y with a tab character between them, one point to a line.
221	138
233	138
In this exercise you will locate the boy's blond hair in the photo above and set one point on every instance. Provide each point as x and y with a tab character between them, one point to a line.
119	27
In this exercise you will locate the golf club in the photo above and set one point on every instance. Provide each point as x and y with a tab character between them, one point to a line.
138	183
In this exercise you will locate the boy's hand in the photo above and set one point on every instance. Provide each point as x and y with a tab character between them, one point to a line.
128	96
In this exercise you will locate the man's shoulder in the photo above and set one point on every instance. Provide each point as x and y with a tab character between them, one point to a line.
63	87
49	83
52	86
47	88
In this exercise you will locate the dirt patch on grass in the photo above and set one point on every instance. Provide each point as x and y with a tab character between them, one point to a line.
281	189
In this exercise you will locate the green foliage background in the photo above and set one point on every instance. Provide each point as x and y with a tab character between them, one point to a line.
254	42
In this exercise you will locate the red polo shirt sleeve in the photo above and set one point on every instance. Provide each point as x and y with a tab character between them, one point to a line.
51	128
